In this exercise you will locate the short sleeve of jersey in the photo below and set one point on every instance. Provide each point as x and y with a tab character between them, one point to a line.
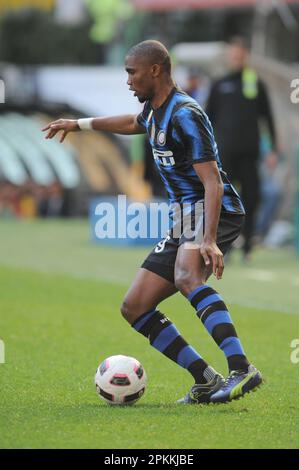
143	116
194	130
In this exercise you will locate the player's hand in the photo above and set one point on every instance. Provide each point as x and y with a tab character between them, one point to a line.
210	252
64	125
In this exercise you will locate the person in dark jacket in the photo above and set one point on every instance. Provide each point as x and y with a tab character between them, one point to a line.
237	106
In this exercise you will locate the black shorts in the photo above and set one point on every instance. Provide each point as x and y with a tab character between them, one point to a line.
161	259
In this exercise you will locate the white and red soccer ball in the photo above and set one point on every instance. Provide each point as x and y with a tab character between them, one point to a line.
120	380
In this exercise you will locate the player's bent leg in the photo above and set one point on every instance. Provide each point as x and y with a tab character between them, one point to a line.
146	292
209	306
139	308
213	313
191	272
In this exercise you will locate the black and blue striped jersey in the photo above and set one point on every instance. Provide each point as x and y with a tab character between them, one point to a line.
181	134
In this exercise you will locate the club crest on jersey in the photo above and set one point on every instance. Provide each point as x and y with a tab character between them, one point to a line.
161	138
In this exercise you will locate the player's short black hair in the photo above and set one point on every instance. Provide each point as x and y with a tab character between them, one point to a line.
154	51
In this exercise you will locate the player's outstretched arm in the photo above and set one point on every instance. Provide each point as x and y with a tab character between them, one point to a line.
126	124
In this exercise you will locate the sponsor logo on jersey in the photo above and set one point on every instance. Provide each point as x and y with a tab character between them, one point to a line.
164	157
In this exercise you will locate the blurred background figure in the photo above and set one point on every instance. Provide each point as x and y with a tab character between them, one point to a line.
27	205
8	200
197	86
272	175
52	202
236	105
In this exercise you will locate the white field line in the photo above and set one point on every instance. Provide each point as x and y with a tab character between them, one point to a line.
260	275
278	308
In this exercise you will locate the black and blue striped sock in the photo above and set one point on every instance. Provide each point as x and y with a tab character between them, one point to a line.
213	313
165	337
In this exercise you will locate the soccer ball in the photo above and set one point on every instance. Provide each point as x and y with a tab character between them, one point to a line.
120	380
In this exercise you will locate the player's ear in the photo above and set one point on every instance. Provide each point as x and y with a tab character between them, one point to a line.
156	70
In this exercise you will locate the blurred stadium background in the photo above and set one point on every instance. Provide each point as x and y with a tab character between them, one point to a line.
64	58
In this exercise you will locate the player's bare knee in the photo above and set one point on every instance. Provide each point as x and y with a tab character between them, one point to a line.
125	311
187	281
130	312
182	280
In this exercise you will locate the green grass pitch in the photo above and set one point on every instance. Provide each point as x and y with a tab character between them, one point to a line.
59	317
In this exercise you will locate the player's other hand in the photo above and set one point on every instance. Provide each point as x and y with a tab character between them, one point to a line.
210	252
64	125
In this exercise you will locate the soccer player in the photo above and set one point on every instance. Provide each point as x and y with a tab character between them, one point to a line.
186	156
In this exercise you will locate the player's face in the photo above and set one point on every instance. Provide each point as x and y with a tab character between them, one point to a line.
140	78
